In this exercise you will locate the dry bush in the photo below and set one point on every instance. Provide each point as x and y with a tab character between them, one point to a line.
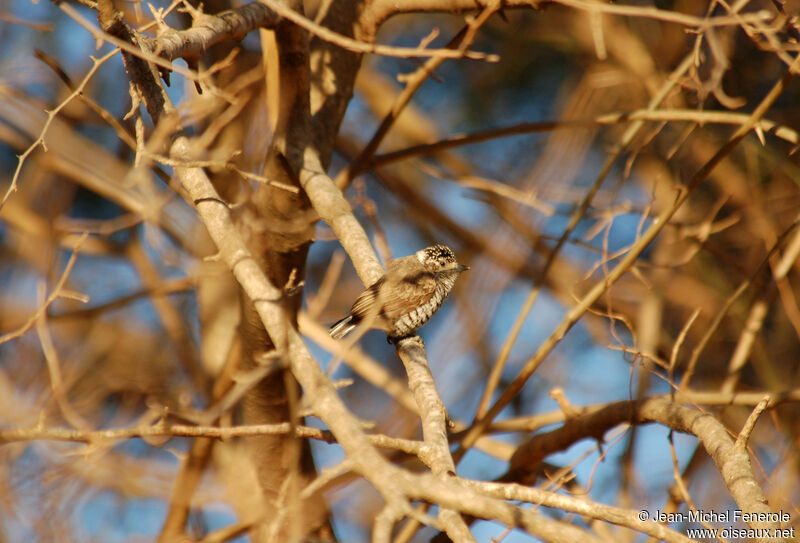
620	177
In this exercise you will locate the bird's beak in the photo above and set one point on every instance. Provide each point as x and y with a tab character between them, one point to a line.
462	268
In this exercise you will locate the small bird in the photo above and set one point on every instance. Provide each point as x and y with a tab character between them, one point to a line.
407	295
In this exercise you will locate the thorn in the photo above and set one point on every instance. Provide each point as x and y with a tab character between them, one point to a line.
760	133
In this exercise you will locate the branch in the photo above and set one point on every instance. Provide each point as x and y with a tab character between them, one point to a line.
51	115
386	8
659	115
235	24
266	298
363	47
574	220
329	202
733	462
432	412
58	291
434	426
168	286
666	16
144	77
38	433
460	497
396	486
332	207
628	261
207	30
124	45
460	42
532	423
607	513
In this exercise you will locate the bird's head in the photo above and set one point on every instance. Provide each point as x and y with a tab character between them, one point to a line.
440	259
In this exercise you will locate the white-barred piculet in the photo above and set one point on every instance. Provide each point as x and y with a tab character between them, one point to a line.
406	297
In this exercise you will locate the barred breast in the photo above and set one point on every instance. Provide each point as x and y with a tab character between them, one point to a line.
406	324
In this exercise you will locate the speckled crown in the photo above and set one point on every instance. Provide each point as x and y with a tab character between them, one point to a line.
442	253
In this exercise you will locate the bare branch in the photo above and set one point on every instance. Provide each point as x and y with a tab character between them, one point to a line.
625	264
655	115
207	30
163	429
733	463
58	290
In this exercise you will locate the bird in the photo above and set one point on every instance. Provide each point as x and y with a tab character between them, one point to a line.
406	296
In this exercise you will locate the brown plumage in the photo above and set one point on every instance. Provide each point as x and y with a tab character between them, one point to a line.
407	295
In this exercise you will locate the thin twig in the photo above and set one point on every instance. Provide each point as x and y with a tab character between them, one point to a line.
750	424
502	358
363	47
51	115
40	433
55	294
125	46
54	371
625	264
657	115
676	348
667	16
463	39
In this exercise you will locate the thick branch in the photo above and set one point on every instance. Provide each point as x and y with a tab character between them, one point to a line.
235	24
581	506
144	76
434	426
332	207
318	388
208	30
434	417
530	423
733	464
394	484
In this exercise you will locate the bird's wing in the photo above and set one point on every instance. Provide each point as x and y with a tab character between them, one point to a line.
366	300
407	292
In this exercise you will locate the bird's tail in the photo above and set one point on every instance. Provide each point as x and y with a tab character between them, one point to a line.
342	328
